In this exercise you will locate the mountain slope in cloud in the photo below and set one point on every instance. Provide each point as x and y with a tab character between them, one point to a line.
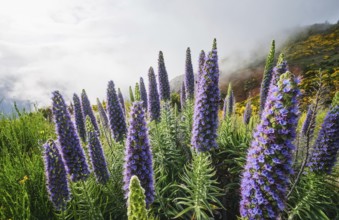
310	49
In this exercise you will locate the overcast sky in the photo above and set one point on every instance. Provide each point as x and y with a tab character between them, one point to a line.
73	44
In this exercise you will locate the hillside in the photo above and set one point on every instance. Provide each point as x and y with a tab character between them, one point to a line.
312	48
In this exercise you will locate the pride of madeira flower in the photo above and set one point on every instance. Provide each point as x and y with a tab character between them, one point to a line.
138	155
189	75
79	117
87	109
164	86
153	96
70	148
268	166
205	122
102	113
143	94
56	176
115	113
96	153
326	146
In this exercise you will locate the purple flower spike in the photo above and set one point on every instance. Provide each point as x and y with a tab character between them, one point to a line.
96	153
189	75
138	155
308	125
87	108
269	159
247	112
143	93
121	100
56	176
183	95
279	69
102	113
79	118
164	87
115	113
229	102
201	66
70	148
266	81
205	122
326	146
153	97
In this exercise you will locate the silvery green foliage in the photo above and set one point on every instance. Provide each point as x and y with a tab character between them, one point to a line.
137	92
131	96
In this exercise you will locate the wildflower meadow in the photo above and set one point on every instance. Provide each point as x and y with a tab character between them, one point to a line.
141	155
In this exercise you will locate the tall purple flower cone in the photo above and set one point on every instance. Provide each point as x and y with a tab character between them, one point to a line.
153	97
229	102
205	122
325	150
56	176
143	94
269	159
102	113
247	112
164	86
189	75
279	69
122	101
115	113
87	109
79	117
183	95
308	125
202	58
138	155
266	81
96	153
70	148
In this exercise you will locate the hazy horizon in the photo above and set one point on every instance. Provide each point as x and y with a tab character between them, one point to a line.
48	45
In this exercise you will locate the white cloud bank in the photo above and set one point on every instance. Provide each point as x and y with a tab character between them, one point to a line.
73	44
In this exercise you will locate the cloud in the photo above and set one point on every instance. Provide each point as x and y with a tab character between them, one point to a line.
69	45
